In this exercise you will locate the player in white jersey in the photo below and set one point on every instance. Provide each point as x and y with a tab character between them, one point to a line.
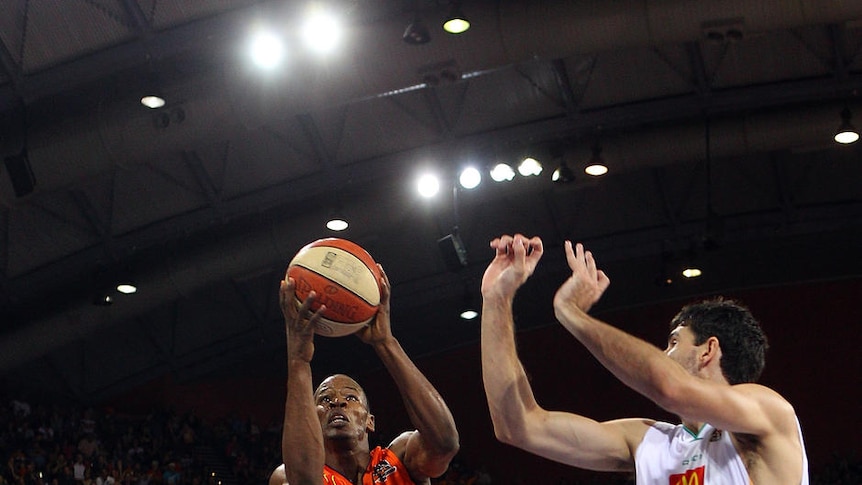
732	430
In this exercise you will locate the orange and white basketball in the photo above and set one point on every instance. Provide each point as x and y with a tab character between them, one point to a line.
346	279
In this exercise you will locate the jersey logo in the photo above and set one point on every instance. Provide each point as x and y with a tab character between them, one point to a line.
382	470
690	477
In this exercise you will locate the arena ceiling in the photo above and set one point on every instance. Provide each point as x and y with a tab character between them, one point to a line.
715	119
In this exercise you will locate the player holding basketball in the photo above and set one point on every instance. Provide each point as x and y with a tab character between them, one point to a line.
327	429
733	431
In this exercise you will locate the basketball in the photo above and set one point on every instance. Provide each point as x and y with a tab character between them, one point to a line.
346	279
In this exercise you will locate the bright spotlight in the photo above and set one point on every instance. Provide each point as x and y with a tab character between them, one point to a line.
321	31
428	186
502	173
470	178
336	224
127	288
530	166
469	314
596	170
692	272
267	50
152	101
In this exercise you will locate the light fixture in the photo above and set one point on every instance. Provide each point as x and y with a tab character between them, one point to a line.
153	101
470	178
456	22
266	50
529	166
502	173
596	164
321	30
563	174
469	307
416	33
127	288
846	133
664	279
469	314
103	299
692	272
337	224
428	185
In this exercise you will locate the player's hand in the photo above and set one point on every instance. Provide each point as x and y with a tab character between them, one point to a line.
380	328
515	260
299	320
587	283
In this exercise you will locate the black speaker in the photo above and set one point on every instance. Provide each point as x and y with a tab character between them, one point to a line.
20	174
454	252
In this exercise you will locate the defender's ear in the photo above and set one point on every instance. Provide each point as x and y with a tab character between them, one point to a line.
711	351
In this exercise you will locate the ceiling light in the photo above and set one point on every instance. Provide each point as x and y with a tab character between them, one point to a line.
529	166
692	272
469	308
321	31
846	133
428	186
456	22
470	178
127	288
596	164
596	170
153	101
416	33
267	50
337	224
563	174
502	173
469	314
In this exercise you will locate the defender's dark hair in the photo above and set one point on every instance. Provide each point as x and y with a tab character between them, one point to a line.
743	343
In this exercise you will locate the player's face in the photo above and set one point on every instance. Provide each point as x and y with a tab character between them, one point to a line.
343	408
681	348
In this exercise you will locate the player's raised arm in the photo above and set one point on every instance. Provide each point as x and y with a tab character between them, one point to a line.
428	451
517	417
302	439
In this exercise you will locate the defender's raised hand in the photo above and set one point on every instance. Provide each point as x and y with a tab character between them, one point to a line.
515	260
587	283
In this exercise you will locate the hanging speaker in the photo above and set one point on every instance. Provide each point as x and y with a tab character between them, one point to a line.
453	251
20	173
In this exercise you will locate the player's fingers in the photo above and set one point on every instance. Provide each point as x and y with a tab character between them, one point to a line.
590	261
501	244
506	242
579	253
536	246
317	315
306	305
282	291
519	244
385	288
603	280
570	254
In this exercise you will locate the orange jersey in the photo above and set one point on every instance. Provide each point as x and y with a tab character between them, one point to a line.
384	468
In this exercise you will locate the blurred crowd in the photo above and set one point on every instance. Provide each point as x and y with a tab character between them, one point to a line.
53	444
67	445
70	445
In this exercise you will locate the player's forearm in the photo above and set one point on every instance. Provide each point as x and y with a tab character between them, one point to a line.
301	439
636	363
506	386
426	408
